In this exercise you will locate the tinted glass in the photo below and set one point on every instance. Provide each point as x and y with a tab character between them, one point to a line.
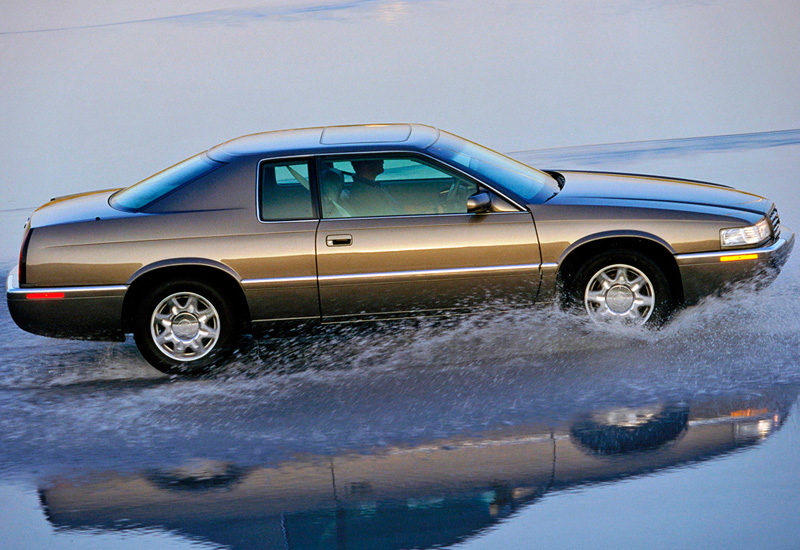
390	186
285	192
524	181
155	187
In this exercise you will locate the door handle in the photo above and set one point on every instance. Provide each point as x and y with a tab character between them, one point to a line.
339	240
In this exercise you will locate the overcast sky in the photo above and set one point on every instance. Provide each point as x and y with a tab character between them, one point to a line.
125	89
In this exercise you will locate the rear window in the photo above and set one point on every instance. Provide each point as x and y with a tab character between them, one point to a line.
158	186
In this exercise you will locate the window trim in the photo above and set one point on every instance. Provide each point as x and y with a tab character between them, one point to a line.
315	159
311	163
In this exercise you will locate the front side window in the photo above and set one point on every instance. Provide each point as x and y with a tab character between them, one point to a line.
284	191
390	186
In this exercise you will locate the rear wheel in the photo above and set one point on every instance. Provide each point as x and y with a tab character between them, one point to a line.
623	286
184	327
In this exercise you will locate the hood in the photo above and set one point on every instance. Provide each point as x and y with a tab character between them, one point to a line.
592	187
75	208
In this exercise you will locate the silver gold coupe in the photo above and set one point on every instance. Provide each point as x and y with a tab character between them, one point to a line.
347	223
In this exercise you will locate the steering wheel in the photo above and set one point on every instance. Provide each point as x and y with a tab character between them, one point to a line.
450	197
446	196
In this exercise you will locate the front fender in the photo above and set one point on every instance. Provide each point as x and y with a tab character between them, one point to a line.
617	234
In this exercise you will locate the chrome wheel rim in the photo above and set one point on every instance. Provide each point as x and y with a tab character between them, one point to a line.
620	292
626	417
185	326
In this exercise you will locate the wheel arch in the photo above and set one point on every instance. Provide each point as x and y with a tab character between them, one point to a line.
220	276
655	248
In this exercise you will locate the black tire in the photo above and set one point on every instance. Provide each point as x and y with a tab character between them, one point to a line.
620	302
209	476
192	338
607	438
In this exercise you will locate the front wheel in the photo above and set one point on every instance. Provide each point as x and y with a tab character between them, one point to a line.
624	286
184	327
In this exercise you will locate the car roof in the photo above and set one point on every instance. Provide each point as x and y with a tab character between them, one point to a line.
329	138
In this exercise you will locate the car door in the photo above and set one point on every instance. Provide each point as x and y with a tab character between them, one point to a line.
396	238
279	266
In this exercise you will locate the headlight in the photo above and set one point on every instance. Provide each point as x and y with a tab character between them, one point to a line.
752	234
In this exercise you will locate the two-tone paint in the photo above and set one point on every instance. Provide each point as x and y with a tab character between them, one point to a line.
99	259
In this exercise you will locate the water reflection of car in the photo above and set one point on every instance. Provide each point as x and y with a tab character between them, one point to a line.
625	429
433	494
343	224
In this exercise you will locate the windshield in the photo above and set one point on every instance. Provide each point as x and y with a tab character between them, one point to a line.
148	191
527	183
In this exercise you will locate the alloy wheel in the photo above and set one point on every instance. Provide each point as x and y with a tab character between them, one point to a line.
620	292
185	326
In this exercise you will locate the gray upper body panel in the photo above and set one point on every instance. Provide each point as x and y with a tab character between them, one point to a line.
327	139
593	188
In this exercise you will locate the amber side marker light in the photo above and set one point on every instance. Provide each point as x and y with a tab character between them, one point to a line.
749	412
738	257
44	295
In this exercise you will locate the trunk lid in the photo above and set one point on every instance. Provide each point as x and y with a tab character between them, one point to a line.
75	208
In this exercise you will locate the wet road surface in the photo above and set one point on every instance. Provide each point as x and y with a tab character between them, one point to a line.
502	430
478	432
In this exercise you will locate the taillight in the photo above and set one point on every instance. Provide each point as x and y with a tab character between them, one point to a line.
23	253
44	295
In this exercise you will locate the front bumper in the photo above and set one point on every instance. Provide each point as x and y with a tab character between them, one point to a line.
707	273
83	313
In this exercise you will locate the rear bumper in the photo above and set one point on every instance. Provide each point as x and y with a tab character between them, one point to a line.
84	313
707	273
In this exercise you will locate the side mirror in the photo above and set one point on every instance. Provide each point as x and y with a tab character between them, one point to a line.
479	203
